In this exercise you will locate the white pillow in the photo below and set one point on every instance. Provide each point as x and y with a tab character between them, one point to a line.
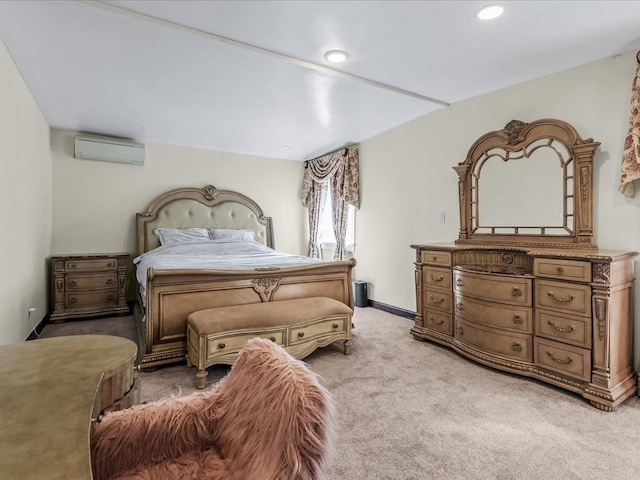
170	236
232	234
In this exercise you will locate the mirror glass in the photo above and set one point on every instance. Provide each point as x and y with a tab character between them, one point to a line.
524	192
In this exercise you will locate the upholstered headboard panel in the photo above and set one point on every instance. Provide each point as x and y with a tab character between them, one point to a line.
206	208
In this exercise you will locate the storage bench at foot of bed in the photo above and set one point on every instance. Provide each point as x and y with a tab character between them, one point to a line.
216	335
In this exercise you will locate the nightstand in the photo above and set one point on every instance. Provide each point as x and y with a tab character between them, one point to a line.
88	285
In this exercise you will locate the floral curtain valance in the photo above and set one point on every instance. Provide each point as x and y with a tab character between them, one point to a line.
631	154
342	168
339	173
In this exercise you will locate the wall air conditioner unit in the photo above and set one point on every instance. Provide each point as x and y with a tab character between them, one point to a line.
108	149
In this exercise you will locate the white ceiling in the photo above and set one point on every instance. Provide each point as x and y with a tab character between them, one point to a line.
250	77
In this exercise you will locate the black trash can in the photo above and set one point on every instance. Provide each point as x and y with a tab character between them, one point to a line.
360	293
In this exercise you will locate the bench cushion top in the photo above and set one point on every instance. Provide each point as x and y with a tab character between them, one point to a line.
267	314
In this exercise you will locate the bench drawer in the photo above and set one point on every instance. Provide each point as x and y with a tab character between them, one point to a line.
234	342
324	327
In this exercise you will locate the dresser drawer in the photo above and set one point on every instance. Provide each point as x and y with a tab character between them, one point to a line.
97	298
439	321
501	288
572	329
437	277
518	319
516	346
234	342
439	299
79	282
90	264
563	297
320	328
561	358
436	257
573	270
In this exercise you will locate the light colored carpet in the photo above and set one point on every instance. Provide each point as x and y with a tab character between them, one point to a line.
412	410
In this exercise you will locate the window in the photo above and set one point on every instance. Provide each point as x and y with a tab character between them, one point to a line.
326	237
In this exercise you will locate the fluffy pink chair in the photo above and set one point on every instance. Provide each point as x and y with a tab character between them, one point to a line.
269	419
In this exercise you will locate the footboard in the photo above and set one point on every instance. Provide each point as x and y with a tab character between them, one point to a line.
171	295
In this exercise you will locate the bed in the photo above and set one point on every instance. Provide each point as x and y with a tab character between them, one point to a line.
169	291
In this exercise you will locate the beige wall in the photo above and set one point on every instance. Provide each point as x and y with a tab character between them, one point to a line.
95	203
407	175
25	203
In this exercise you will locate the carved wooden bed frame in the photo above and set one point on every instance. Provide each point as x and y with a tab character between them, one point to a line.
171	294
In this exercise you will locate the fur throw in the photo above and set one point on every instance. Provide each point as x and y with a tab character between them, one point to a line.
268	419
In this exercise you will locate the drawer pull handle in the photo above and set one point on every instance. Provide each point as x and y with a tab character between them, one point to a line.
559	329
110	264
516	292
459	282
459	306
335	325
273	339
560	299
516	347
559	360
436	300
517	319
459	330
301	334
439	279
72	265
436	321
434	258
560	270
73	283
221	346
73	300
109	281
109	298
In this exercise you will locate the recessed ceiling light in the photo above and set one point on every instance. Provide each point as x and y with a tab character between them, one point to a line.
336	56
287	147
490	12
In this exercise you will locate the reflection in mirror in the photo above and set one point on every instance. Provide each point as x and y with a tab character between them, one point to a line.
508	194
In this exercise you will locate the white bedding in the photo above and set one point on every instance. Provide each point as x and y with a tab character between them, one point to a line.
216	254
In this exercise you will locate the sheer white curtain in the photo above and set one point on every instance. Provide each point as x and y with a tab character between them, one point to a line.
339	171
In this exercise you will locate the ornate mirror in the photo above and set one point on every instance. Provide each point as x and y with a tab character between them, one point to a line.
529	183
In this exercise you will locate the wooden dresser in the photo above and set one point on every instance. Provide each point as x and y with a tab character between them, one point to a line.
525	288
52	391
564	317
88	285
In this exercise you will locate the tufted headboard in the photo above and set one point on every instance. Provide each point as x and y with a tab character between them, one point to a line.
205	207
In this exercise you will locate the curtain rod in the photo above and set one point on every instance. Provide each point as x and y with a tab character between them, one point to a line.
346	145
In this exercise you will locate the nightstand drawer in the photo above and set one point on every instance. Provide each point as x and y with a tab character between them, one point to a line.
93	298
84	265
79	282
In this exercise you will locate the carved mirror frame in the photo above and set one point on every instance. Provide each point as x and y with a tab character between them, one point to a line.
515	139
